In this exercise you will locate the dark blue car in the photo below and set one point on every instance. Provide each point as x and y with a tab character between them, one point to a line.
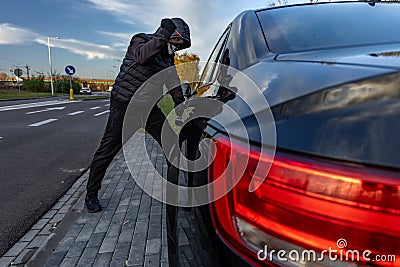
330	194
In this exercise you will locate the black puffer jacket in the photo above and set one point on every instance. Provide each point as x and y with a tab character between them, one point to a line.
147	54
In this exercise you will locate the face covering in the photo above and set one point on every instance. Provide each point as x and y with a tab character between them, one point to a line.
172	48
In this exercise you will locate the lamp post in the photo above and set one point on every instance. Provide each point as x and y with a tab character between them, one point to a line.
51	66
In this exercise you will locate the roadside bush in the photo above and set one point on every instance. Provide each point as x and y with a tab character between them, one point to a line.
63	86
34	85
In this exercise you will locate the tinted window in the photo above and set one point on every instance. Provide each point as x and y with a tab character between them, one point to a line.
246	41
210	68
302	28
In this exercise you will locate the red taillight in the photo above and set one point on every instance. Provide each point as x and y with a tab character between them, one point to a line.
306	204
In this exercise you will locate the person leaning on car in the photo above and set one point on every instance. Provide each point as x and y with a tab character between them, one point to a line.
147	55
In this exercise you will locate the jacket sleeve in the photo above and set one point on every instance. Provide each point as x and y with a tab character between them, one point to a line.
174	82
141	49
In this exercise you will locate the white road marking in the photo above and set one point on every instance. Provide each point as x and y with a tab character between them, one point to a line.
44	110
107	105
1	137
39	111
42	123
37	104
101	113
75	113
95	108
106	100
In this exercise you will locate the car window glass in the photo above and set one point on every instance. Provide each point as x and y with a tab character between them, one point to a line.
210	68
301	28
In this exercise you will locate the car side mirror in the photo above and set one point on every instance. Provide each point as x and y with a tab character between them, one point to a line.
186	90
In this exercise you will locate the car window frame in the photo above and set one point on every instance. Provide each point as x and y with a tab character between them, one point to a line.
214	62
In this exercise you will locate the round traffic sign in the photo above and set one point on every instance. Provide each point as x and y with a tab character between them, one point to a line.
70	70
18	72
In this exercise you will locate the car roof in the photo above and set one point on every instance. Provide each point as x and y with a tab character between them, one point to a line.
307	3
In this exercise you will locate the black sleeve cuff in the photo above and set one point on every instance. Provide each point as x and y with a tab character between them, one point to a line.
165	33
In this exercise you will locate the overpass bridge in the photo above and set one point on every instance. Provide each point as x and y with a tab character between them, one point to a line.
94	84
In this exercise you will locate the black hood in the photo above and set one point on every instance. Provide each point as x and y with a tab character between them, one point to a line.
182	31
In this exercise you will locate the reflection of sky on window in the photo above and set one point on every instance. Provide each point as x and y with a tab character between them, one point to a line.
346	95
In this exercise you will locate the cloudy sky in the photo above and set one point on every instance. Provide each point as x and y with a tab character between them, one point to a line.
94	34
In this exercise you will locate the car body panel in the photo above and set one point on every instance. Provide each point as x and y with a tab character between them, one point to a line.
361	132
385	56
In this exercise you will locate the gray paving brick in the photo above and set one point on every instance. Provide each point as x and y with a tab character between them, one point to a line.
76	249
139	239
85	233
65	209
164	253
102	226
155	209
40	224
5	261
82	220
136	255
152	260
56	259
96	239
57	218
118	218
47	229
145	204
121	251
74	230
77	194
129	223
155	219
141	227
38	241
122	209
126	235
132	212
103	260
29	235
114	230
65	244
50	214
71	201
58	205
69	262
131	229
64	198
125	201
153	246
118	263
143	216
108	244
164	263
24	256
154	231
16	249
88	256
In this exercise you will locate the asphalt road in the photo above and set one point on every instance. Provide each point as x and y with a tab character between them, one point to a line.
45	145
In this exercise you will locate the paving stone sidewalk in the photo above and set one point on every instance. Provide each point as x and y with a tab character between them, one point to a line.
130	231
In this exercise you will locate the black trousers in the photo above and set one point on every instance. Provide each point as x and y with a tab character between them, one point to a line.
111	143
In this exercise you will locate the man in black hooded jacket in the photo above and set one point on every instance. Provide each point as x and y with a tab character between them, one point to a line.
147	55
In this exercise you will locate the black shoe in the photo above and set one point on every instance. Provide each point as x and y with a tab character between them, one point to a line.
92	204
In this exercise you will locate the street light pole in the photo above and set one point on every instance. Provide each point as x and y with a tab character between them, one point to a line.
51	66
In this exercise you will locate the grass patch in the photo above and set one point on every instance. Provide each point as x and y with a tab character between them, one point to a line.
14	94
166	104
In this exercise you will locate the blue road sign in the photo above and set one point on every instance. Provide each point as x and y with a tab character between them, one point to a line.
70	70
